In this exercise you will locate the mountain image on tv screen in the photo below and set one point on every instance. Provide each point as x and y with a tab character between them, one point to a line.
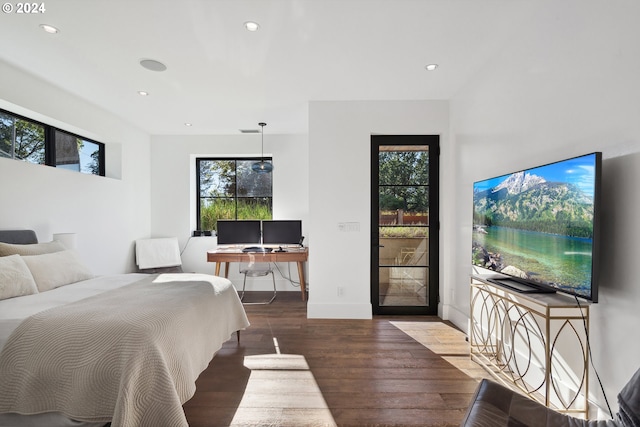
538	224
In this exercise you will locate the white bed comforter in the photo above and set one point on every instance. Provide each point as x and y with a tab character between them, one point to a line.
130	355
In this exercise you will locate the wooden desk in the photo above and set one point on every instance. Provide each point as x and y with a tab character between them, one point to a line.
299	256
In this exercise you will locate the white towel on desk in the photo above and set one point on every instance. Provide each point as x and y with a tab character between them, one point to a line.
161	252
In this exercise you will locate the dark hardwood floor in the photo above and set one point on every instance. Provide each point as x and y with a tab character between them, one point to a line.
288	370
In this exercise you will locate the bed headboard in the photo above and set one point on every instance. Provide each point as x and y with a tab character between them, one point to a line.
22	237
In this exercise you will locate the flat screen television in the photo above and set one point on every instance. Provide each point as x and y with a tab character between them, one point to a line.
281	232
539	227
242	232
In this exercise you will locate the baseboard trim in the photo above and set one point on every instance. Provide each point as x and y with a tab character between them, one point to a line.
456	316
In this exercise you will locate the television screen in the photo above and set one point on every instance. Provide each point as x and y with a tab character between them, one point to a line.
238	232
540	226
281	232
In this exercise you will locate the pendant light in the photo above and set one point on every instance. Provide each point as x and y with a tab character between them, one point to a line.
262	166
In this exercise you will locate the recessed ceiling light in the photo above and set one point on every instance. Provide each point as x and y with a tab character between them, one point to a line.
188	124
49	29
153	65
143	93
251	26
431	67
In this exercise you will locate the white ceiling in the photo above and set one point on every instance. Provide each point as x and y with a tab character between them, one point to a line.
222	78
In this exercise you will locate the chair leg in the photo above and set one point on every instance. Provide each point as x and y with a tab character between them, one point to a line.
244	283
273	278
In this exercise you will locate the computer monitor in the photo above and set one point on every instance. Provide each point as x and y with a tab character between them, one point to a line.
281	232
243	232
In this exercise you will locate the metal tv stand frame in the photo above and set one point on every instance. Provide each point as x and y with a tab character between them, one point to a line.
536	342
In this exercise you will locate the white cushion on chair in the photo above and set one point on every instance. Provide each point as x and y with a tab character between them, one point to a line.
159	252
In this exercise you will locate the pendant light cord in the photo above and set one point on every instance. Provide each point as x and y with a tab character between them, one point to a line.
262	125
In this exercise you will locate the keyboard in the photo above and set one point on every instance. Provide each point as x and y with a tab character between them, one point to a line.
256	249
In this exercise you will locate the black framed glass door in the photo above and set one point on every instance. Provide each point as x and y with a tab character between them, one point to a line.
404	224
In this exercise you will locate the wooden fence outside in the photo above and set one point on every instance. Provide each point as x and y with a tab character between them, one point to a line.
399	217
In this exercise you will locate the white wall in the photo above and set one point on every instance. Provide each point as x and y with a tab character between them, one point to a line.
339	185
107	213
173	203
566	84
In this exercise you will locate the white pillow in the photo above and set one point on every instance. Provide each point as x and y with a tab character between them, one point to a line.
7	249
56	269
15	278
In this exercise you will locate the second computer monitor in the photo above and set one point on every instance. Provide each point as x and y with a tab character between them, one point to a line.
281	232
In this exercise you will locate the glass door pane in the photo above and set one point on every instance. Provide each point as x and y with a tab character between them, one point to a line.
403	265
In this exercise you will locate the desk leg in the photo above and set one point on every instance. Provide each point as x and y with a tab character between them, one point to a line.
226	269
303	287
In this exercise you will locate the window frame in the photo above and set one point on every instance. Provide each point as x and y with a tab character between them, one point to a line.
235	159
50	143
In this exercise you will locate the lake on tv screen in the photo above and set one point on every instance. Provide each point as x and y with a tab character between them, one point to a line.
564	262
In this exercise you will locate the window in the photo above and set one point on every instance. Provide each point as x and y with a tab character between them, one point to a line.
21	139
34	142
77	154
229	189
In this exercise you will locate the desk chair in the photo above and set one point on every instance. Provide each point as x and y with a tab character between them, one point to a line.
257	269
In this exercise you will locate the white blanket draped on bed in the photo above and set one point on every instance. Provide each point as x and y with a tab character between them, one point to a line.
130	355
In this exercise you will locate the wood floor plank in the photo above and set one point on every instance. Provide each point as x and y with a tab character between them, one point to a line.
288	370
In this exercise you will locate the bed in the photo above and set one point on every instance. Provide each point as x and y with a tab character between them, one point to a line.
126	349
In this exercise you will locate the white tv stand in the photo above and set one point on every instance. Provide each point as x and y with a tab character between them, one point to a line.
535	342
